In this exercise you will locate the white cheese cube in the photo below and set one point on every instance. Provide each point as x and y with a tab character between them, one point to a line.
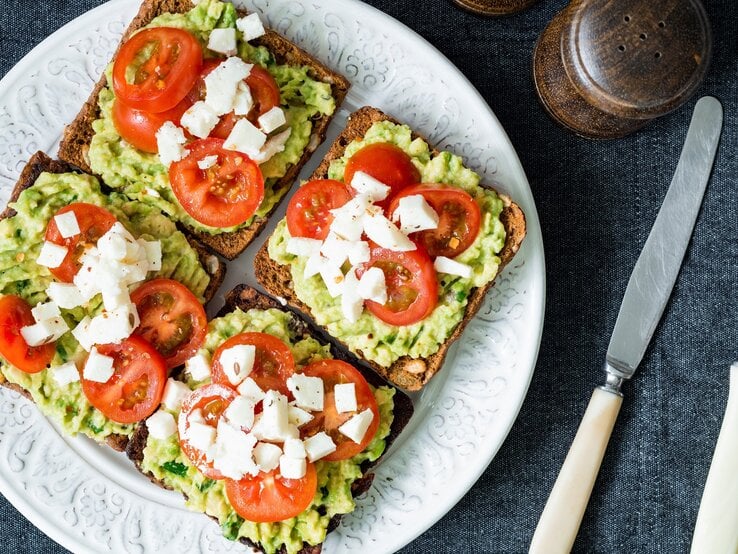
273	146
44	331
65	374
153	253
233	452
112	245
83	335
251	390
372	286
45	310
161	425
245	137
200	118
237	362
200	435
313	265
266	456
415	214
300	246
207	162
65	295
363	183
223	41
383	232
335	249
333	278
113	299
293	448
174	393
170	141
198	367
297	416
114	326
355	428
308	391
67	224
243	101
319	446
272	119
273	425
442	264
221	84
250	26
98	367
240	413
351	303
348	219
51	255
292	468
358	252
344	396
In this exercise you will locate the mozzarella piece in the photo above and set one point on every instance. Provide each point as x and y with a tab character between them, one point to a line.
266	456
245	137
272	119
250	26
82	333
45	310
372	286
200	435
344	396
221	84
308	391
161	425
333	278
200	118
297	416
65	295
51	255
249	389
223	41
67	224
300	246
356	427
363	183
383	232
170	141
198	367
207	162
98	367
65	374
319	445
273	423
174	393
153	253
237	362
293	448
240	413
442	264
292	468
272	147
45	331
243	101
351	303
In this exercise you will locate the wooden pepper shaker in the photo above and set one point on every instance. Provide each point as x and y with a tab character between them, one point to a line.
604	69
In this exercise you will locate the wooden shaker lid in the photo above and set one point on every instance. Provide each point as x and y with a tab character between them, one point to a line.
605	69
495	7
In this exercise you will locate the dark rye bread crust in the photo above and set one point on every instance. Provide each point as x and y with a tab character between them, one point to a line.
75	143
246	298
40	163
408	373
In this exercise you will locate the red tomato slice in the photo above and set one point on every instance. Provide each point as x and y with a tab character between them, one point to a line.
172	319
15	313
386	163
269	497
134	391
212	401
273	364
93	222
334	372
139	127
412	288
156	68
308	213
459	219
226	194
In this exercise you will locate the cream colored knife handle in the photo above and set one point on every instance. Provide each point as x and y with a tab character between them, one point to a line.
716	531
563	513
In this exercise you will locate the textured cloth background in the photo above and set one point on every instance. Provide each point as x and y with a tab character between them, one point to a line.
597	202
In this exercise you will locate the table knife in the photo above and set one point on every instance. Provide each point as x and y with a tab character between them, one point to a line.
645	297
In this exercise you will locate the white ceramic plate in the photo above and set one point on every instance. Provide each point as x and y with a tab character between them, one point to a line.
91	499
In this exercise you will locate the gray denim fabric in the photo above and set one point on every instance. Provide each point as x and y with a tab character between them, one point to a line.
596	201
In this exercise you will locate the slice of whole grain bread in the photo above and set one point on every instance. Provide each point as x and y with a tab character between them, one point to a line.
246	298
406	372
40	163
75	143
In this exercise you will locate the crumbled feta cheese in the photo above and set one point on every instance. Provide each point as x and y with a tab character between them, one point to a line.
293	448
243	101
250	26
161	425
383	232
245	137
67	224
272	147
272	120
223	41
233	452
267	456
237	362
308	391
240	413
297	416
45	310
351	303
65	374
300	246
273	423
221	84
442	264
174	393
356	427
98	367
51	255
207	162
83	335
363	183
200	435
344	396
333	278
45	331
372	286
198	367
170	141
319	446
199	119
251	390
292	468
153	253
415	214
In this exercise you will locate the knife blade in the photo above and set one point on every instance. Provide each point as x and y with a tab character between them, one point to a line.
646	295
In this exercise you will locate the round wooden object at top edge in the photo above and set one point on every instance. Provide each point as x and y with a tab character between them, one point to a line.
606	69
495	7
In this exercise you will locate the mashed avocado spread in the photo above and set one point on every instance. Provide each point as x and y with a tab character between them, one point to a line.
21	237
378	341
165	461
143	177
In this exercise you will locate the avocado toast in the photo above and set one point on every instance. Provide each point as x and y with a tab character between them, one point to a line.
164	462
45	186
310	93
407	356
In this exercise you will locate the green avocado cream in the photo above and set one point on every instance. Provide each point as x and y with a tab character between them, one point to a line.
165	461
21	237
143	177
378	341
